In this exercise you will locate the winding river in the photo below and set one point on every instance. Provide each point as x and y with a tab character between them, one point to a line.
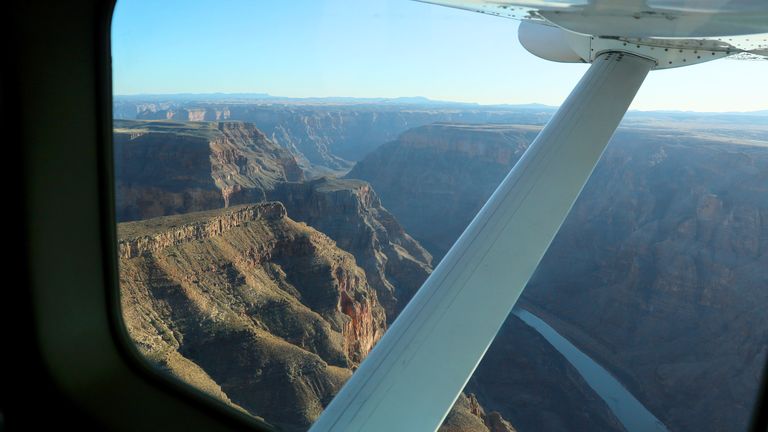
633	415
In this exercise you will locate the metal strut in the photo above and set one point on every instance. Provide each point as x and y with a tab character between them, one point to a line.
415	373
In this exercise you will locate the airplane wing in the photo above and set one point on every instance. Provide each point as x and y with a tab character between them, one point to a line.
731	27
417	370
633	18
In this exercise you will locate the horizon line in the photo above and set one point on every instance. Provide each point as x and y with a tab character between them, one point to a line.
258	95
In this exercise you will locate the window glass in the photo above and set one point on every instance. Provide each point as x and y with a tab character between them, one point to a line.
288	174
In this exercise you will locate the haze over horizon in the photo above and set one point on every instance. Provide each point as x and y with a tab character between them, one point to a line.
415	100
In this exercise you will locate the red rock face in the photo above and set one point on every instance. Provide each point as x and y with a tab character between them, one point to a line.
362	331
258	310
350	212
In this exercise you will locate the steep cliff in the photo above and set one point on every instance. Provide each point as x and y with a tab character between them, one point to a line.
264	313
173	112
468	415
658	273
435	178
664	261
166	168
330	137
350	212
261	311
327	135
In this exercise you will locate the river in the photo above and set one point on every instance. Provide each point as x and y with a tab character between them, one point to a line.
632	414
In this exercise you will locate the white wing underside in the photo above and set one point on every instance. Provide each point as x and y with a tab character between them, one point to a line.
729	26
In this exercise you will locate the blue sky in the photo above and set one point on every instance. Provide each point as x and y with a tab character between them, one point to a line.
375	48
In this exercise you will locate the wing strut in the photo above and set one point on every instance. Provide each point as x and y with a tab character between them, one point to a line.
415	373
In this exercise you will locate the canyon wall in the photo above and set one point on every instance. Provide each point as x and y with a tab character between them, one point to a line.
350	212
435	178
659	272
261	312
330	138
166	168
248	303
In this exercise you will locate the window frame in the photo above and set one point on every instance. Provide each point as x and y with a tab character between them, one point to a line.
62	90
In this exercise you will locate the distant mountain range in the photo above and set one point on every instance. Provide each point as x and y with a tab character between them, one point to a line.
397	101
328	100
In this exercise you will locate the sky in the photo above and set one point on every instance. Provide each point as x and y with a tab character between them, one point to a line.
376	48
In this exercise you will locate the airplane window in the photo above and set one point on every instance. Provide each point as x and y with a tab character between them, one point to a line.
289	174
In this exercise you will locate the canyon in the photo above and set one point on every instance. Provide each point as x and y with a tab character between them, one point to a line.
164	168
258	310
192	281
261	312
326	136
658	273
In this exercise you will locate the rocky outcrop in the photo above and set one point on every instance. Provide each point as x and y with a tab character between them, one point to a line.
260	311
468	415
658	273
250	307
172	112
350	212
170	168
329	137
141	239
663	260
435	178
245	165
164	168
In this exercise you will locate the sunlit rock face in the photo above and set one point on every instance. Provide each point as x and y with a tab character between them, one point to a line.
167	168
263	312
659	272
350	212
164	168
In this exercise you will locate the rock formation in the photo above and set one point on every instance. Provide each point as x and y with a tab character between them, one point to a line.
254	308
468	415
330	137
182	274
166	168
261	312
435	178
350	212
664	264
659	272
